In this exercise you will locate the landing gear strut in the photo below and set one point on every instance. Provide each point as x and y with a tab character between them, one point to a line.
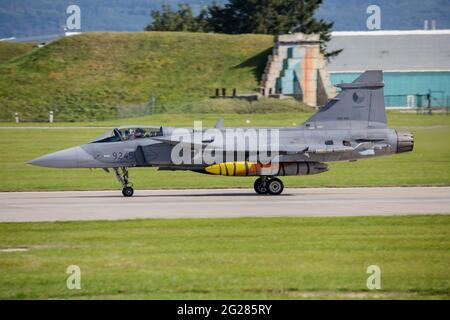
267	185
122	177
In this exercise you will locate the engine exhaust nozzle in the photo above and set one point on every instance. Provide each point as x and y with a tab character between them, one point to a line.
405	142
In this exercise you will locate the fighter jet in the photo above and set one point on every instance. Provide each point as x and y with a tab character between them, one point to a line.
351	126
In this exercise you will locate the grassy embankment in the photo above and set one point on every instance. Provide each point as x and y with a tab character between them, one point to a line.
11	50
103	75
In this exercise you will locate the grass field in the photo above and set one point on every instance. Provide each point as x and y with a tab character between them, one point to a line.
244	258
91	75
429	164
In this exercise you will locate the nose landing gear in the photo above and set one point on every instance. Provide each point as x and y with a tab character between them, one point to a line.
122	177
127	192
267	185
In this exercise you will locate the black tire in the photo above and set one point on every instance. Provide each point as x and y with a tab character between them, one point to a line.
275	186
259	189
127	192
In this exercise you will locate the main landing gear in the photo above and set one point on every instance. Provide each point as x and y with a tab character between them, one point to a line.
267	185
122	177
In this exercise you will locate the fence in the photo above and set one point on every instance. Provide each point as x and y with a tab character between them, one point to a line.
434	99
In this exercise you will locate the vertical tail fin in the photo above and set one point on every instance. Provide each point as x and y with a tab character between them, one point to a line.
360	104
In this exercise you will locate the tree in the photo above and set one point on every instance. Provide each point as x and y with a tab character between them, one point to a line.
247	16
181	20
270	17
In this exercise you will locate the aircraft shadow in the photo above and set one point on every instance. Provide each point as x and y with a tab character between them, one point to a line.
185	195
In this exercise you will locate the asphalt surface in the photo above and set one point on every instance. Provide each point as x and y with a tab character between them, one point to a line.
110	205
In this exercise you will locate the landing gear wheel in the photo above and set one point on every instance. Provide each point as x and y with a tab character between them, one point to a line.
127	192
122	177
275	186
260	186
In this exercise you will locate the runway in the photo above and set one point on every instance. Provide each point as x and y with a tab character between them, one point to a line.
215	203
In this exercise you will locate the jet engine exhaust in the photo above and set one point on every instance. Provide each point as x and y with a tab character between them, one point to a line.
405	142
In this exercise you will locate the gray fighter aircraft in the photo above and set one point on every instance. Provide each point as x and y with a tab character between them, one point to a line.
351	126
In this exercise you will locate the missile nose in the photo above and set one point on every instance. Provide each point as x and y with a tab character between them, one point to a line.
67	158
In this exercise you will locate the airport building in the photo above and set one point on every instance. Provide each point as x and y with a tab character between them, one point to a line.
416	64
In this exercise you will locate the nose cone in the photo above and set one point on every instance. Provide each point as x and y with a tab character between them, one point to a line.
68	158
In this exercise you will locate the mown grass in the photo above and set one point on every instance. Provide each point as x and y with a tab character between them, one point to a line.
90	75
283	113
428	164
243	258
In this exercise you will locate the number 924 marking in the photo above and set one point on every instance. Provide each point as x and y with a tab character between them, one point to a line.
123	155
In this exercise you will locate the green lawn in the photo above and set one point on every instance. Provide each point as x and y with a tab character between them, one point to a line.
429	164
243	258
235	119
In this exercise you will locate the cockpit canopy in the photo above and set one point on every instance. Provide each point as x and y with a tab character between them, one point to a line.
129	133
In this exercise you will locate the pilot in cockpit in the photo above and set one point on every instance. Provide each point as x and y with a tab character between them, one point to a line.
139	133
127	134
